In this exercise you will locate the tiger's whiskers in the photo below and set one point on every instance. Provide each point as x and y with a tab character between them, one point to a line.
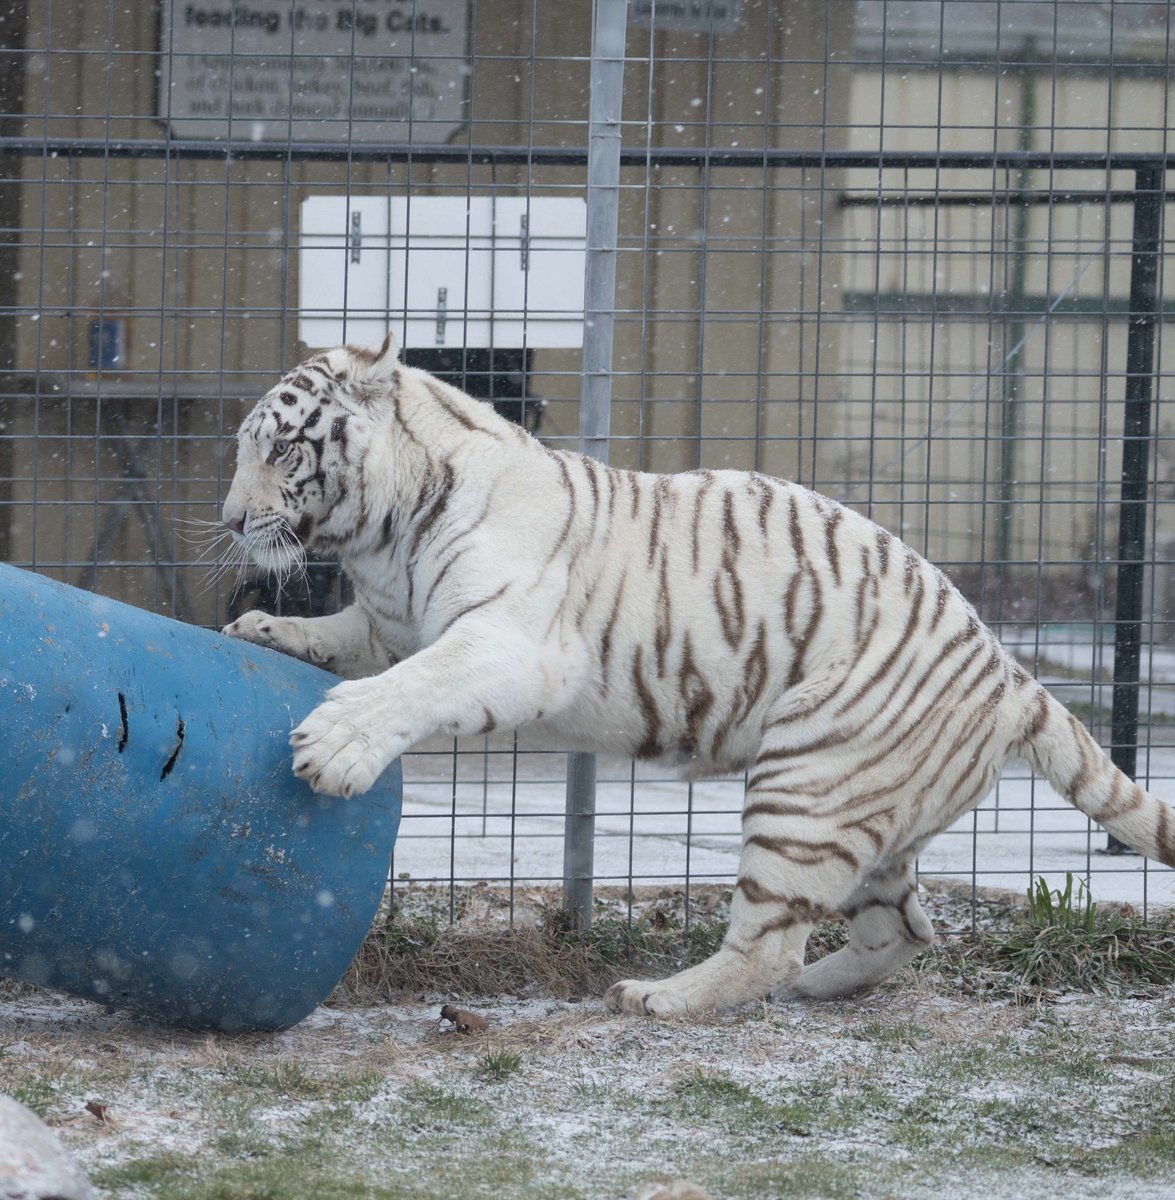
219	552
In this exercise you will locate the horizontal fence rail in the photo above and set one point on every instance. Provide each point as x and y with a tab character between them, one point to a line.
577	156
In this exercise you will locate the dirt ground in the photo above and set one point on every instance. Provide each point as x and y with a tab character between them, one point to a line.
921	1088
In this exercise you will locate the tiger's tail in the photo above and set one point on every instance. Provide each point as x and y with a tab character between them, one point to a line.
1060	747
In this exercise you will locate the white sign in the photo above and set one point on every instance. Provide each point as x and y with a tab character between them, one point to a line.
315	70
502	271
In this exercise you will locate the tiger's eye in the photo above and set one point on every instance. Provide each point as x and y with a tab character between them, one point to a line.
280	446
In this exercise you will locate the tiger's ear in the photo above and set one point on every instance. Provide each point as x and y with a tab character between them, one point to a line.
376	364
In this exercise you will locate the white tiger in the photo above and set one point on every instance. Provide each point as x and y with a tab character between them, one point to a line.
715	620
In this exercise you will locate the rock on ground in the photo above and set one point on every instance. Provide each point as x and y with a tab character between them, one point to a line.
33	1165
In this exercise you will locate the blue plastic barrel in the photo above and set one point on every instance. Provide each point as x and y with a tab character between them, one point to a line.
156	851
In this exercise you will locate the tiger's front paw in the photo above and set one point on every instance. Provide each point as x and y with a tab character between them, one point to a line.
287	634
345	744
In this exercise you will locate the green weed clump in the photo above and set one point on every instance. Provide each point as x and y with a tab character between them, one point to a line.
1062	910
496	1066
1067	943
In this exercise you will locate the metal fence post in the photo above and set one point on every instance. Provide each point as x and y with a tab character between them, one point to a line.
609	27
1136	450
13	35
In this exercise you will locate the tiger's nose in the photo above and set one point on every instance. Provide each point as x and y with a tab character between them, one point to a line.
235	523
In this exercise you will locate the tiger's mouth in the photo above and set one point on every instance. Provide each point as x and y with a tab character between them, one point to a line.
273	544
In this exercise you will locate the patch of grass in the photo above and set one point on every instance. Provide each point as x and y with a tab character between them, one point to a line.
237	1133
922	1122
717	1099
277	1177
889	1100
281	1080
155	1171
1062	909
58	1084
656	942
1006	1107
414	950
453	960
1065	1065
410	934
1144	1153
825	938
494	1066
357	1086
287	1079
413	954
1018	1118
800	1178
600	1095
618	942
898	1034
413	947
714	1087
1138	1143
1119	953
35	1092
1062	943
1067	943
965	1064
702	938
427	1104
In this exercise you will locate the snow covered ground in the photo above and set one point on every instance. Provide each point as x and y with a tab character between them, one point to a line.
913	1092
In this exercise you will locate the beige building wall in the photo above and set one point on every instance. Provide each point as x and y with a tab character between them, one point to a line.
744	333
931	353
718	336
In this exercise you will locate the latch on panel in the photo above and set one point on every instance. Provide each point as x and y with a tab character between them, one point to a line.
442	313
356	237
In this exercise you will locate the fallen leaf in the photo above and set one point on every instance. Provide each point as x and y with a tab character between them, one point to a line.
466	1022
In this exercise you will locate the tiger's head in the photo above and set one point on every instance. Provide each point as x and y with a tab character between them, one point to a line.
296	455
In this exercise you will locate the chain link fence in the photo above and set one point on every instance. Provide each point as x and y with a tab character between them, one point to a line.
911	255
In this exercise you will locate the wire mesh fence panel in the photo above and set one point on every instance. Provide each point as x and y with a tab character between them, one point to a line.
890	251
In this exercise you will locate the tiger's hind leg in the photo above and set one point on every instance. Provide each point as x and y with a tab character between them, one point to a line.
792	871
887	928
755	957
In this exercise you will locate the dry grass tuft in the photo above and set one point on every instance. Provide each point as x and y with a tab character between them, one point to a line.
410	958
529	950
525	948
413	956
